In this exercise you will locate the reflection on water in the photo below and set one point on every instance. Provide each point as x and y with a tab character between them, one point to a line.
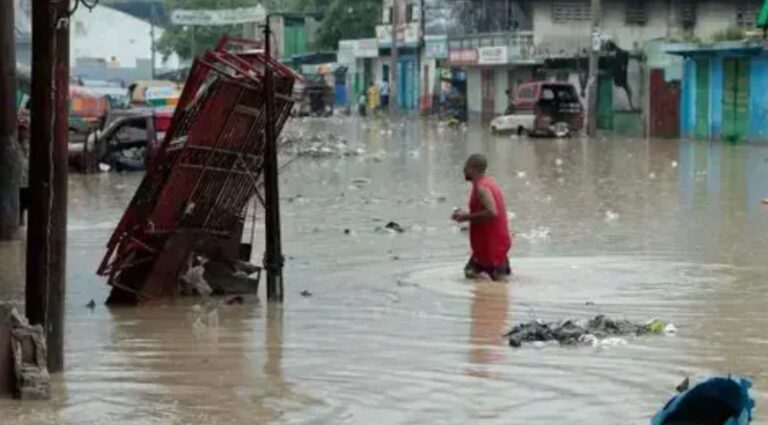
490	303
393	334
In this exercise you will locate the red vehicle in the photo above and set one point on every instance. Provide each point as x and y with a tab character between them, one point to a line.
543	108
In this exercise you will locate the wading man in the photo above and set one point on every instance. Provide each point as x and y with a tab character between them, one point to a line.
488	227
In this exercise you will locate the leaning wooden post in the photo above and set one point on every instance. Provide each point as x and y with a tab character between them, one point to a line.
273	261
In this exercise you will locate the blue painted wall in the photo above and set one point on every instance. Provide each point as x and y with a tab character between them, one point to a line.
688	98
715	96
758	99
758	96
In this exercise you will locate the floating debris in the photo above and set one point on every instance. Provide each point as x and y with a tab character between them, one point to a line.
600	331
360	181
394	227
318	145
612	215
306	294
91	305
674	164
537	234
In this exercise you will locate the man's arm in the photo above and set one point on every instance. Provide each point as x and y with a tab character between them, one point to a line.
489	210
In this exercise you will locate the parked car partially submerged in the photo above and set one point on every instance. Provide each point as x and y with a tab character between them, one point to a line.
127	143
542	108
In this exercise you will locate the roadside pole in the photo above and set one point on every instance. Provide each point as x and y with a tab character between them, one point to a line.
594	58
393	98
58	233
46	232
273	258
10	155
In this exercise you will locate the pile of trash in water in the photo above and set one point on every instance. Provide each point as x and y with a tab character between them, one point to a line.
318	145
594	332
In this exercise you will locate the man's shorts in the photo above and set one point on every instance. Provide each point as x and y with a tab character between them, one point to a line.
473	270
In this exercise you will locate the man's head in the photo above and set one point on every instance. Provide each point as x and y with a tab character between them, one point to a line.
475	167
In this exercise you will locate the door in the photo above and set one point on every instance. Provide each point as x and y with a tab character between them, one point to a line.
488	87
701	130
406	88
665	106
735	98
605	103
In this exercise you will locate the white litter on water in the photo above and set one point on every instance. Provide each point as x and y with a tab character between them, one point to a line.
612	215
558	162
521	174
670	329
511	215
537	234
674	164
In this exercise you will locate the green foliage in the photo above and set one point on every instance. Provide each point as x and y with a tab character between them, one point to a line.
342	19
179	39
730	34
348	19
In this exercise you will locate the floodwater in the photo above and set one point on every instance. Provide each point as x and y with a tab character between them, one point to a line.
392	334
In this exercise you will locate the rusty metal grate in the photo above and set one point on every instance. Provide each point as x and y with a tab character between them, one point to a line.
209	165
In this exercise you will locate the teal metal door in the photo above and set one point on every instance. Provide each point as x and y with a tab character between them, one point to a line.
407	88
701	131
735	98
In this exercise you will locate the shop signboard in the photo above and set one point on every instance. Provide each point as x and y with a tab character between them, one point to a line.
436	46
466	56
494	55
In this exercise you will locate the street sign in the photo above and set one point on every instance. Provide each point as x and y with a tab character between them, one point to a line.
212	17
495	55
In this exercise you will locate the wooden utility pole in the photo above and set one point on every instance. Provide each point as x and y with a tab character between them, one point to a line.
46	232
10	155
58	233
393	83
273	258
594	61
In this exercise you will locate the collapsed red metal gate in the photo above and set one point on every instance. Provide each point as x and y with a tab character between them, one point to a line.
209	166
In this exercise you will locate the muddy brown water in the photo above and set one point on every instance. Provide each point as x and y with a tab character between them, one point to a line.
393	334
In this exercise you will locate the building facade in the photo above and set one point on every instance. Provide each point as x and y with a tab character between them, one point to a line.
409	32
723	91
550	39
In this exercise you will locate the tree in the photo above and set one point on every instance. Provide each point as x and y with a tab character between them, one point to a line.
179	39
348	19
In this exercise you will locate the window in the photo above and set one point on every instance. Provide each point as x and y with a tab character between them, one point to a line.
687	14
564	11
525	93
746	13
386	17
409	13
636	12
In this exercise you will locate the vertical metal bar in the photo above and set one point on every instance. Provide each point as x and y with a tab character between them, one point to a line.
58	232
153	45
40	159
393	83
10	165
273	261
594	58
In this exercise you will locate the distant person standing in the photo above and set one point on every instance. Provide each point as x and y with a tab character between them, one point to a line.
488	226
384	93
361	101
373	98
